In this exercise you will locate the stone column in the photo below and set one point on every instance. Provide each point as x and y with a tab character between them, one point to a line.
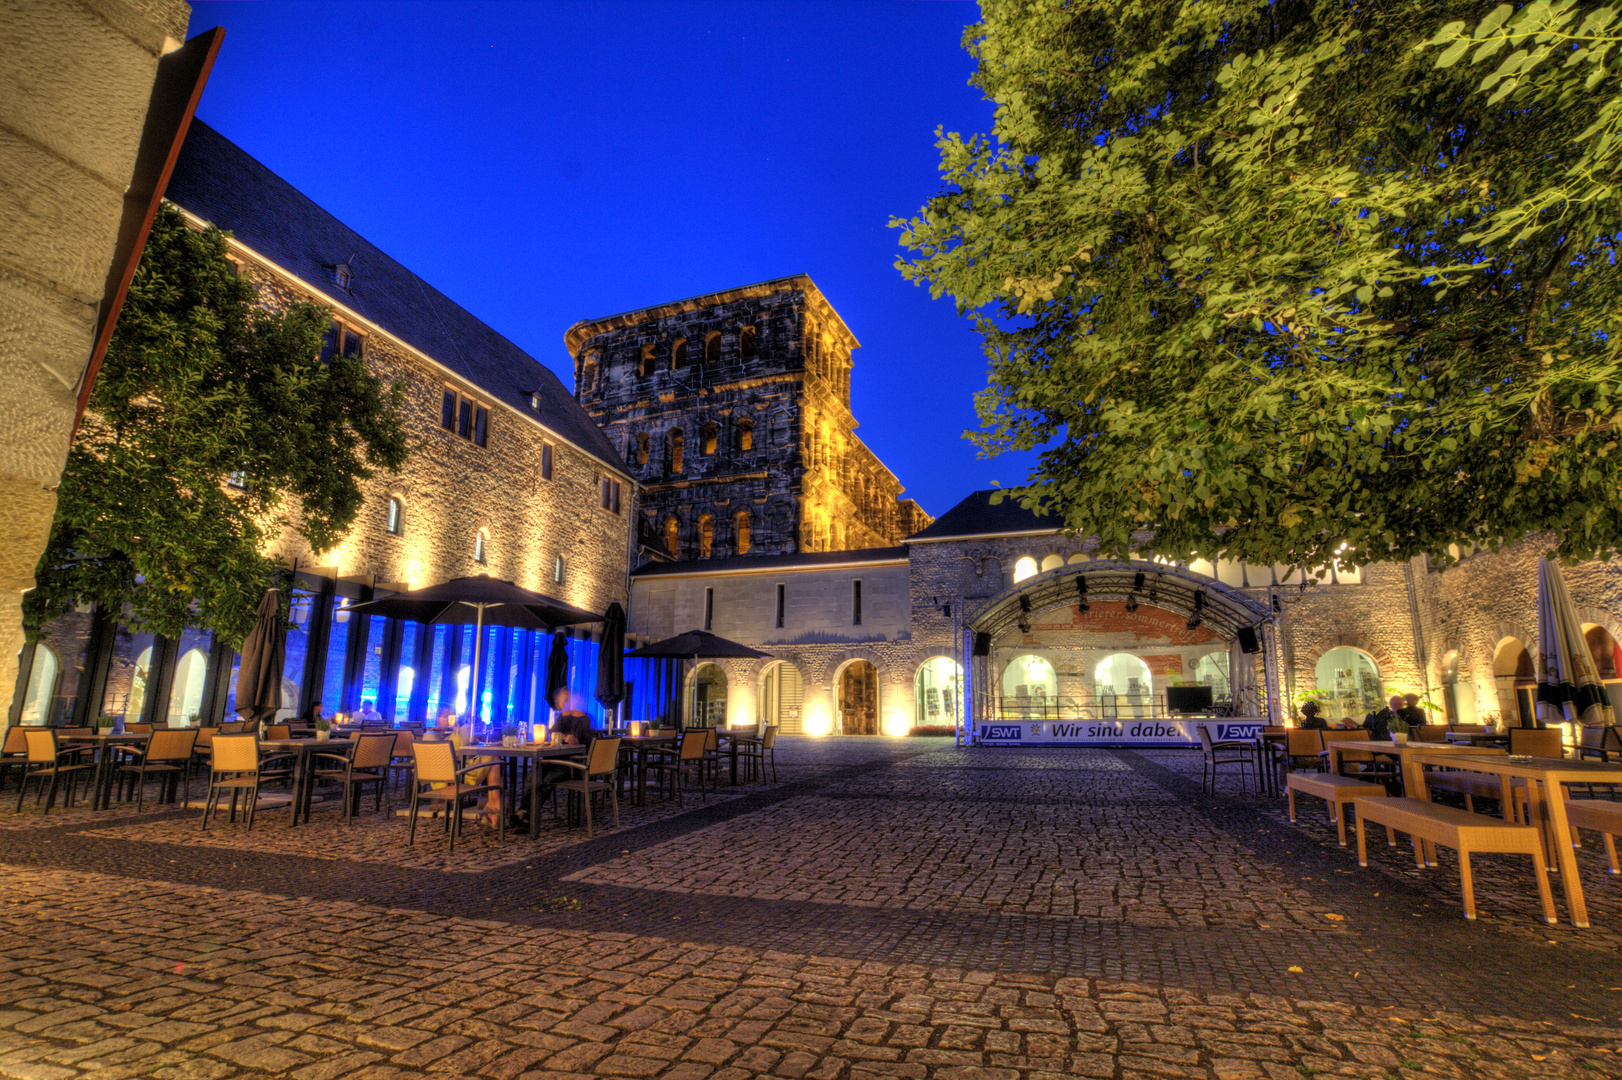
75	79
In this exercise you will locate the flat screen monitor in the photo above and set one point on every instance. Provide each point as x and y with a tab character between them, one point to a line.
1188	699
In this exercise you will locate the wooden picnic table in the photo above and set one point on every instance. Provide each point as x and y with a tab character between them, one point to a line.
534	753
1547	809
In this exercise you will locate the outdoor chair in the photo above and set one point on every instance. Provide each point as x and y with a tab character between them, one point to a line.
688	757
235	766
13	751
602	757
75	732
1537	742
367	763
278	732
435	778
233	727
1305	747
1468	729
1432	733
1599	742
138	729
401	763
167	754
1217	754
712	754
200	749
758	752
48	759
1360	762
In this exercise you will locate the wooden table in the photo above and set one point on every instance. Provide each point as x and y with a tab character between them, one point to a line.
302	750
534	753
1403	752
642	744
1474	738
735	738
1547	809
101	796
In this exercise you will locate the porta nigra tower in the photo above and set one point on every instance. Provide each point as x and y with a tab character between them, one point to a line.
733	410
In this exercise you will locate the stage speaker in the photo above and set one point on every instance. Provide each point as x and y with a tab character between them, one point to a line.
982	644
1248	641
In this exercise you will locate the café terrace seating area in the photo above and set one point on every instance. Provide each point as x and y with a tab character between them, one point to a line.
374	792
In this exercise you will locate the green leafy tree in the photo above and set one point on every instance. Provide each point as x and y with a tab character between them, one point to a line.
202	385
1274	278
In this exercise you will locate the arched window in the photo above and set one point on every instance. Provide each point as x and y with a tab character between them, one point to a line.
1603	648
706	535
678	354
709	696
642	448
1030	686
673	537
745	437
746	342
1052	562
712	349
41	686
480	553
560	570
740	532
1024	568
396	522
678	443
644	366
935	691
707	438
1124	686
186	695
1348	683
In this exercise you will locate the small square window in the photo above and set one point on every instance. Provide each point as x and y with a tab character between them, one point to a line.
340	275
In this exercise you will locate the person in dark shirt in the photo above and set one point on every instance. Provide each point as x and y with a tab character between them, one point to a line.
1378	724
1410	713
1310	720
573	728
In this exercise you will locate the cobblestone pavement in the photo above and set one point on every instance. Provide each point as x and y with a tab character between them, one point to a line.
890	908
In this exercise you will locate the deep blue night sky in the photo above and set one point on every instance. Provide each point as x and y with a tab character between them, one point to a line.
544	163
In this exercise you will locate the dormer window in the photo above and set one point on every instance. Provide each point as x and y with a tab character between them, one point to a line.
535	401
340	275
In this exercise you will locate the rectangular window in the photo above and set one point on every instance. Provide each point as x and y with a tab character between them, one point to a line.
560	570
329	344
447	411
352	343
481	425
237	480
709	607
856	603
395	526
780	590
611	495
461	414
546	461
464	419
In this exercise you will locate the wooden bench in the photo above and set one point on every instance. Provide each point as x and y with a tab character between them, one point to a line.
1433	823
1338	791
1602	816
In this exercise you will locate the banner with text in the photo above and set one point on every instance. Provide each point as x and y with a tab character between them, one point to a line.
1114	732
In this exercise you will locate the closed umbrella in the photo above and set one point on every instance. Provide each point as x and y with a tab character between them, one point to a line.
557	668
482	601
1569	686
611	659
264	654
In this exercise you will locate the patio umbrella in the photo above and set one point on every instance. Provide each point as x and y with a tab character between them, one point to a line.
1569	686
611	659
557	667
483	601
264	654
696	645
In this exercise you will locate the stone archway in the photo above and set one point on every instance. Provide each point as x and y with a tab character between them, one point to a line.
856	688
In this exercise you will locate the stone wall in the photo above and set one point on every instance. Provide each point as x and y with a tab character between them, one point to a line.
733	410
75	79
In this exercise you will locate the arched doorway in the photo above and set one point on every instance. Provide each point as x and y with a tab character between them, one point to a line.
1124	686
935	692
1607	654
1348	683
1515	677
709	696
858	694
782	697
1030	687
1458	697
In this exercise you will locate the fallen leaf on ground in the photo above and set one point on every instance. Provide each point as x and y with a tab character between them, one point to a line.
1332	917
1295	969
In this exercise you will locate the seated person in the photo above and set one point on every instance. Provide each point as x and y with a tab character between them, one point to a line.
1379	723
1310	720
368	713
573	728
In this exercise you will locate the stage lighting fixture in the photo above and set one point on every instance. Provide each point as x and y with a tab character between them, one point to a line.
1131	603
1194	621
1025	603
1137	582
1199	600
1024	625
1082	606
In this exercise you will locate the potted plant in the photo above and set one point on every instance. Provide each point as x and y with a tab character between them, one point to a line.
323	729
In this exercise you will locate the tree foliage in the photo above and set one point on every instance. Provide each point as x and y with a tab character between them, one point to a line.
201	383
1274	278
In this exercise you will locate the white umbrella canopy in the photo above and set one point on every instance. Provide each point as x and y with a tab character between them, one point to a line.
1569	686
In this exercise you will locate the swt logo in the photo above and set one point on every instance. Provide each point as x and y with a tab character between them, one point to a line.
1002	731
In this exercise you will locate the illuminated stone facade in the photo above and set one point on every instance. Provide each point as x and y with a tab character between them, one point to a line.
733	411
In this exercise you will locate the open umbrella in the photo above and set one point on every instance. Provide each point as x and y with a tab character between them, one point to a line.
1569	686
557	667
483	601
264	654
611	658
695	645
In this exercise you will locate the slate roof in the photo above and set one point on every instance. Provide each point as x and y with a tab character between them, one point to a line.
807	560
975	516
221	183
